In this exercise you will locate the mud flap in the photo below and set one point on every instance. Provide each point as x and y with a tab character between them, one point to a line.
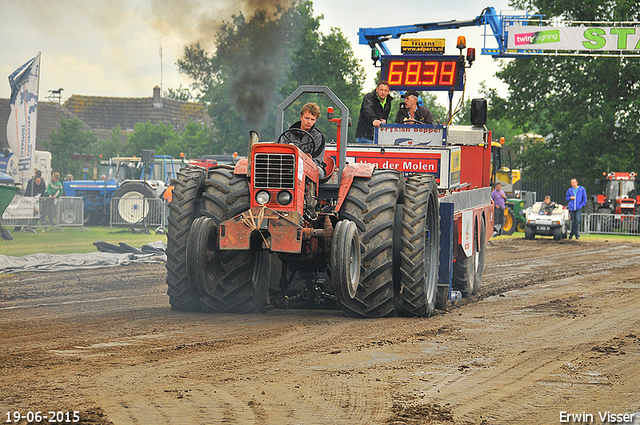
445	270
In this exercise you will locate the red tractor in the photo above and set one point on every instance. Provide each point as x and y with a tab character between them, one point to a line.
378	240
619	199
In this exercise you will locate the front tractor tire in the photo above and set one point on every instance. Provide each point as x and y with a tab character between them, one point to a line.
420	246
183	209
371	204
227	281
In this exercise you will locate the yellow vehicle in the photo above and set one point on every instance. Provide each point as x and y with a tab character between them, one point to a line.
511	179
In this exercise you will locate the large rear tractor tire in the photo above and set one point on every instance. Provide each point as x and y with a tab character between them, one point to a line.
183	209
237	281
509	225
133	204
479	256
420	250
371	204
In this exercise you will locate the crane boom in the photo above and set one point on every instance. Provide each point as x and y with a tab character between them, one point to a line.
377	36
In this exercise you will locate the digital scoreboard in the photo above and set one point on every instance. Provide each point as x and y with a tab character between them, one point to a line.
423	72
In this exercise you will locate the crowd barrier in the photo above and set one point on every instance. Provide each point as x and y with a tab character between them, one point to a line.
28	213
614	224
134	211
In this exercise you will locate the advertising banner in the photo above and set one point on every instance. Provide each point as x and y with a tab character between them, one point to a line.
583	38
21	127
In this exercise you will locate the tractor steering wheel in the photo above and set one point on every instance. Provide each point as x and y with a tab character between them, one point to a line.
301	139
413	121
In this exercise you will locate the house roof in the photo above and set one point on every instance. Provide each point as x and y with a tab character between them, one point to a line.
105	113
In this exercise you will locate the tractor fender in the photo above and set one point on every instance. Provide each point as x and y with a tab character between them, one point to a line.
350	171
241	167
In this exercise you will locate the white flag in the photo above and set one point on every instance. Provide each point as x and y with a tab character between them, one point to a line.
21	128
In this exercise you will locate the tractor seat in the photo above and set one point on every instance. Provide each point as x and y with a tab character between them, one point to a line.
328	169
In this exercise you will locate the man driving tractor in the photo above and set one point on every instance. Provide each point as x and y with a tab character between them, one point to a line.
309	114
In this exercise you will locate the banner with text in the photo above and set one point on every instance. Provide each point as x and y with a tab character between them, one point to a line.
594	38
21	127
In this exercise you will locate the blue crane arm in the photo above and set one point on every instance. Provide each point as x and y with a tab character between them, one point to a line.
377	36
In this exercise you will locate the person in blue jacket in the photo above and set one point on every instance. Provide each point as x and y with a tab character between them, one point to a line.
577	197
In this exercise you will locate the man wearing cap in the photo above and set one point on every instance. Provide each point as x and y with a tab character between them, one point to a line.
411	113
373	112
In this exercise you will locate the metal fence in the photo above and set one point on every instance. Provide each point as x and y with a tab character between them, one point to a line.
136	210
613	224
28	213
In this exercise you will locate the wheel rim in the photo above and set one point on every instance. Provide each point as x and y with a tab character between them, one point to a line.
133	207
68	217
508	221
431	254
353	267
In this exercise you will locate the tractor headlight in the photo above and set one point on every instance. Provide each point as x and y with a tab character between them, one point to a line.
263	197
284	197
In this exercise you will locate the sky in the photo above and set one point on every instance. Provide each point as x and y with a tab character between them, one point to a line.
112	47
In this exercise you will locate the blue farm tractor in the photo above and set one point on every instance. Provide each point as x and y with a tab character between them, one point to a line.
122	178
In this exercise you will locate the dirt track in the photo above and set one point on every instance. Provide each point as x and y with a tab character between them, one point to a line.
556	328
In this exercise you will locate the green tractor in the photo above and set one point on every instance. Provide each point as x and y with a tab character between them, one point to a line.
511	179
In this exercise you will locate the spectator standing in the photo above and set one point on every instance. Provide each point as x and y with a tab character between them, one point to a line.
54	189
36	185
577	197
374	112
499	199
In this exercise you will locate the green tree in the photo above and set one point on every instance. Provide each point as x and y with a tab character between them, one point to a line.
260	60
110	147
148	136
589	105
181	93
197	139
68	144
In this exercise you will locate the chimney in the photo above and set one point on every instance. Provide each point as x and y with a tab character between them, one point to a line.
157	97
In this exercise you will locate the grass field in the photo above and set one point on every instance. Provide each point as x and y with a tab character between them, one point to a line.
71	241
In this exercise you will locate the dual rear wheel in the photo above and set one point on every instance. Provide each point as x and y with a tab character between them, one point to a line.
399	248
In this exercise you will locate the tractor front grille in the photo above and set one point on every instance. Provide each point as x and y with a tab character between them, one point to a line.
274	171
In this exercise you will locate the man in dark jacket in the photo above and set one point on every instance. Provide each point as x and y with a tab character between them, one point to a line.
308	116
36	185
373	112
411	113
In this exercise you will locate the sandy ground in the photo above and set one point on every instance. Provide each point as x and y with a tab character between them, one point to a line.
555	329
